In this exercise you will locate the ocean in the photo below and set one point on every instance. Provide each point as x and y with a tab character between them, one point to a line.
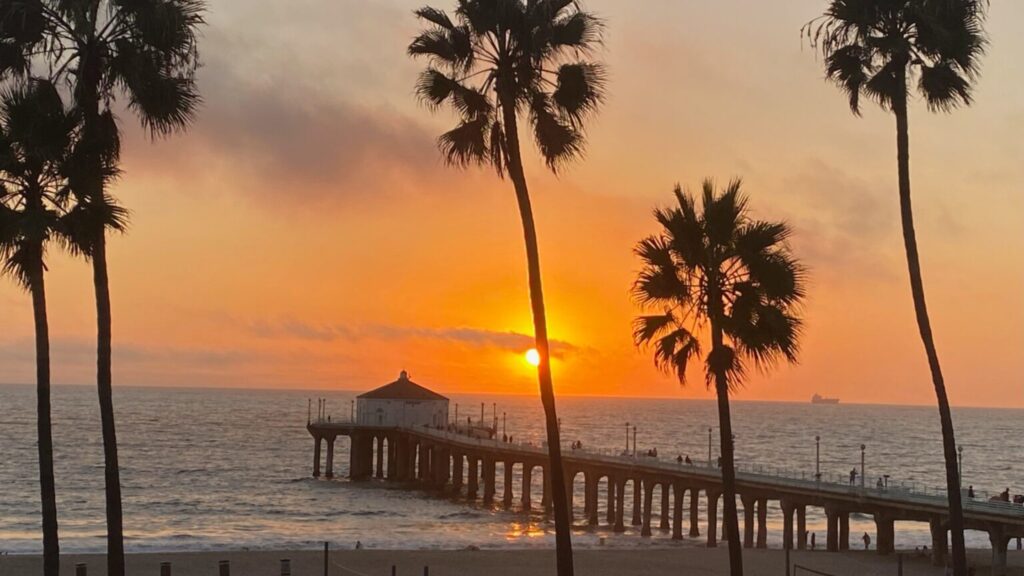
210	469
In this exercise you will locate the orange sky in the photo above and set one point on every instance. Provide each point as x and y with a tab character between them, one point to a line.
306	234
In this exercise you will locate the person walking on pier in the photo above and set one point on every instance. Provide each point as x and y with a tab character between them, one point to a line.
853	476
867	540
812	540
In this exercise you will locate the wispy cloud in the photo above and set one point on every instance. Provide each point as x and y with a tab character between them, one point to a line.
280	134
75	352
481	337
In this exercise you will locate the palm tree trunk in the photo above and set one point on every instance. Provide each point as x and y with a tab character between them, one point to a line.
111	468
87	95
559	498
956	513
729	516
48	493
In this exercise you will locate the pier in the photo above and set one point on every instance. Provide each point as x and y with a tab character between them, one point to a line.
464	466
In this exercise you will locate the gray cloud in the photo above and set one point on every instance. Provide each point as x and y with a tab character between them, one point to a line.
77	352
843	223
502	340
285	136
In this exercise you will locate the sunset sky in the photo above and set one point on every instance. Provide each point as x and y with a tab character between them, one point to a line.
305	233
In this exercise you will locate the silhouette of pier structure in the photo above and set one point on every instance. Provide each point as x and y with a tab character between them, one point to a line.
463	466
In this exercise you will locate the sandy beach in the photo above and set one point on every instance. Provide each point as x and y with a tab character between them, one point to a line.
654	561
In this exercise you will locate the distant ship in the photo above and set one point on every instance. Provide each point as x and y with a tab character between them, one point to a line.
819	399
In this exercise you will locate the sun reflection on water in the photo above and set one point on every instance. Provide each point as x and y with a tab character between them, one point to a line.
529	529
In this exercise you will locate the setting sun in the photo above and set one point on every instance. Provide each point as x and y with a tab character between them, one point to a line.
533	357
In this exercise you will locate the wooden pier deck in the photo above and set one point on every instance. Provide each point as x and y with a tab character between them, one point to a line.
465	466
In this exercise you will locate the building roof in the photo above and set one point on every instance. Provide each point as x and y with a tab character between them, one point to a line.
402	389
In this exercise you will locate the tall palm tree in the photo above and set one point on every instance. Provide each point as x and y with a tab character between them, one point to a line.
880	48
35	145
145	51
495	61
715	271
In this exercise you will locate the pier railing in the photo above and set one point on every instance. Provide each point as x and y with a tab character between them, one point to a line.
897	491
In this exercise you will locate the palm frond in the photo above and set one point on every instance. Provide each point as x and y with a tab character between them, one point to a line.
438	17
725	360
448	46
759	236
765	333
579	90
579	31
558	141
435	87
849	67
674	351
13	61
660	281
166	28
22	22
943	87
165	102
81	227
466	143
724	214
646	328
887	84
499	157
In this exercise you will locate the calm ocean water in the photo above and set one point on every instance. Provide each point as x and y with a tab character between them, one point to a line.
209	469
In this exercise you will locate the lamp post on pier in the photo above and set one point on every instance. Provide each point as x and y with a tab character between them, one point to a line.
456	414
709	447
960	463
817	458
634	440
627	440
503	429
862	447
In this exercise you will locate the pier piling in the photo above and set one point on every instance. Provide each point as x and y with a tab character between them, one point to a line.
444	461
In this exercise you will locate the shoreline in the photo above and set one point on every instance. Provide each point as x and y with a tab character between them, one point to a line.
509	562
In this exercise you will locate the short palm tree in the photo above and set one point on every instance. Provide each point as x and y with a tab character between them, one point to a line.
35	145
145	51
881	49
715	272
495	62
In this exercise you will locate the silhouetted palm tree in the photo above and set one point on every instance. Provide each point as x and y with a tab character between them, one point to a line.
35	144
716	271
880	48
495	61
145	51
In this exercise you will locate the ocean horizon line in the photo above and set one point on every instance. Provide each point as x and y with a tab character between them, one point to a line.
517	395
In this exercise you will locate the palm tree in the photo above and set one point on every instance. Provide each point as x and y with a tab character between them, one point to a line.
498	60
717	270
35	143
145	51
879	48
